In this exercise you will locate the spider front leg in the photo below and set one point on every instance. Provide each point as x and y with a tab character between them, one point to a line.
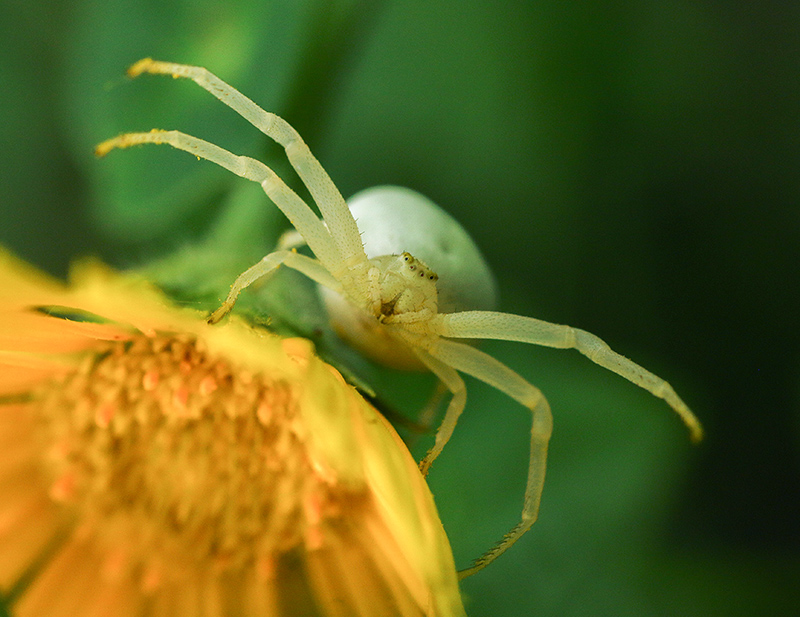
503	326
334	210
444	358
293	207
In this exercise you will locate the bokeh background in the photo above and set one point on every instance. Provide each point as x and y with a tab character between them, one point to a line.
627	167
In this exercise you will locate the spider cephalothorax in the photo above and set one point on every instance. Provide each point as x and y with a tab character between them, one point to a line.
406	286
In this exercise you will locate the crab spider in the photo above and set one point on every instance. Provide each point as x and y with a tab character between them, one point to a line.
390	304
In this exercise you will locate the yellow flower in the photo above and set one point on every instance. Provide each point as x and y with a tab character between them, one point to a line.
151	464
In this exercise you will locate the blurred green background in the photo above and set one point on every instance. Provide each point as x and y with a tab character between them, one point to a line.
630	168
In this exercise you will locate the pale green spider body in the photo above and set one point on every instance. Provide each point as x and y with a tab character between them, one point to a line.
397	294
395	220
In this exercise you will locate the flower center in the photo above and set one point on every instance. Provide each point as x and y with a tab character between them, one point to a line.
159	445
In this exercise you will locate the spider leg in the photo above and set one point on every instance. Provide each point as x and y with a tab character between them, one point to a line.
332	205
428	413
471	361
295	209
453	382
303	264
503	326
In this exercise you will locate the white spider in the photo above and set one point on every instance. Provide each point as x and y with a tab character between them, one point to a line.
389	304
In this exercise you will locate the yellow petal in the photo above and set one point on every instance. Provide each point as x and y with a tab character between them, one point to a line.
210	470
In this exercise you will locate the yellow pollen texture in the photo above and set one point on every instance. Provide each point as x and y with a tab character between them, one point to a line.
174	451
